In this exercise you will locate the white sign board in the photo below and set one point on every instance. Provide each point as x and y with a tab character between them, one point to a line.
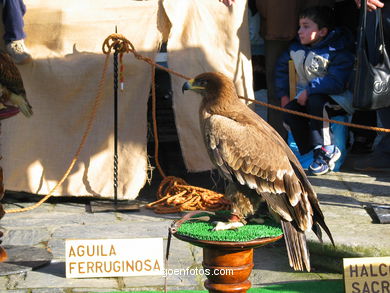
86	258
367	275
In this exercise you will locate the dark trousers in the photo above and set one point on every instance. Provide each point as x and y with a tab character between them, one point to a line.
364	118
384	114
309	133
13	11
384	144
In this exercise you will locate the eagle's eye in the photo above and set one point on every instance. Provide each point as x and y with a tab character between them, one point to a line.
203	82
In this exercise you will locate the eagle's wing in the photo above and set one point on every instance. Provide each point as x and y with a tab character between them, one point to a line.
248	154
251	154
10	76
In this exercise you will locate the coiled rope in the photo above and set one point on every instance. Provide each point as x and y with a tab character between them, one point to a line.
174	194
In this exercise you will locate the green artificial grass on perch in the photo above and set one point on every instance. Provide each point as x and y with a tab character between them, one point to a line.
202	230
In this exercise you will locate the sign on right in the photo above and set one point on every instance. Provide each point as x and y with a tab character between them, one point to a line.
367	275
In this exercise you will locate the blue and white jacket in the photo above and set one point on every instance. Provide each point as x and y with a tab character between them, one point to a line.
324	68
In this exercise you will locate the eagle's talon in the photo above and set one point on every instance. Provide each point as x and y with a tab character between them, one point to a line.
227	226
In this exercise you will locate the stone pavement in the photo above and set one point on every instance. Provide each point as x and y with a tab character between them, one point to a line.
343	195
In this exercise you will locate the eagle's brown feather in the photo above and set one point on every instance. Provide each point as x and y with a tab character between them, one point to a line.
10	75
11	86
254	158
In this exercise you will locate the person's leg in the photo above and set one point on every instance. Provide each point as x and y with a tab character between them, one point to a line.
384	144
363	139
321	134
384	114
13	12
325	152
379	160
386	24
299	127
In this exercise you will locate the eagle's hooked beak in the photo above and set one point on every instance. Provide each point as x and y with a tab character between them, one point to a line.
191	85
186	86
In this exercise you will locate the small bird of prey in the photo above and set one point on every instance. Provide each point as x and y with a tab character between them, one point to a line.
11	86
258	165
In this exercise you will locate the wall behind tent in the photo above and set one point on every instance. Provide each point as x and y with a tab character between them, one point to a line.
65	39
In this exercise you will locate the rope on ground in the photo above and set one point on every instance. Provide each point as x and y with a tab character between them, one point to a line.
175	195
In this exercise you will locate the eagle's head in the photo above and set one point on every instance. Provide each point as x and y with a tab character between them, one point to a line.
211	86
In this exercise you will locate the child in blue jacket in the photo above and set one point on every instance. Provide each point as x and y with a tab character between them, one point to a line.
323	61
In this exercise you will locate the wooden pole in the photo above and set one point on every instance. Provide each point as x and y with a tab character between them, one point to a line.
292	78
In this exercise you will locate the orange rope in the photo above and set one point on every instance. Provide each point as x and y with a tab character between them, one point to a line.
379	129
175	195
126	46
155	132
121	72
120	43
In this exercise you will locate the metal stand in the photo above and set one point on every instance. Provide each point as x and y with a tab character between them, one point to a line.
115	205
115	126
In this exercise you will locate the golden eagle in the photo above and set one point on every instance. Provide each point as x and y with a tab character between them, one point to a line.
258	165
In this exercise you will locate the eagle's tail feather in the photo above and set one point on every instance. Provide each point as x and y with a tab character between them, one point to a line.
321	222
317	231
298	254
318	216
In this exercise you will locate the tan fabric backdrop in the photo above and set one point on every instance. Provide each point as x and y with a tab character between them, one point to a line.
205	36
65	39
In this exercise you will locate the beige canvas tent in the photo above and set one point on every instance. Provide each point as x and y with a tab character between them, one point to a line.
65	39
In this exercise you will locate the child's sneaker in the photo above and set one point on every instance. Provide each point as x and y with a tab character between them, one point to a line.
324	160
